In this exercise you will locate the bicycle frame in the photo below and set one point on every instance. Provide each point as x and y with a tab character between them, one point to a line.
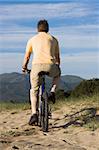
42	86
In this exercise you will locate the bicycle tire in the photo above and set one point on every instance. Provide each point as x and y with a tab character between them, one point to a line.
40	114
44	111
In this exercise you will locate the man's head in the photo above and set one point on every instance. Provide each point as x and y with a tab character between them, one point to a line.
43	26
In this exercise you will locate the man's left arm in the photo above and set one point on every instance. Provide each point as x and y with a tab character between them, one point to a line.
57	53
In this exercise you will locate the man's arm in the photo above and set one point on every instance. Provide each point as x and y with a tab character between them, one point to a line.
58	59
57	53
27	56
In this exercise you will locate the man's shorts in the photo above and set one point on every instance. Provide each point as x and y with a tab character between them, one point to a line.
53	70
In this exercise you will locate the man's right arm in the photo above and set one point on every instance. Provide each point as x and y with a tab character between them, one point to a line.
27	56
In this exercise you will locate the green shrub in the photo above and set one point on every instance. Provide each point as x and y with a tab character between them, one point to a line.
86	88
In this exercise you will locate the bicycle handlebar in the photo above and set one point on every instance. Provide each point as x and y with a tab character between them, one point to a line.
26	71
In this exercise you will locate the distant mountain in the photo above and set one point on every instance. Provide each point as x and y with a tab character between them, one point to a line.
71	81
15	86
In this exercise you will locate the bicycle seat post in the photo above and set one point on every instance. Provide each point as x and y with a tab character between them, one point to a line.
42	76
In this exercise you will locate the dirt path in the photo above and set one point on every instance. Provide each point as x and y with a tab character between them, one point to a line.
64	133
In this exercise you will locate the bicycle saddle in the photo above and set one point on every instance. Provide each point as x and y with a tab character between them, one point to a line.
43	73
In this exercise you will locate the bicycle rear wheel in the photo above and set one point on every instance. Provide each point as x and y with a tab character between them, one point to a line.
44	112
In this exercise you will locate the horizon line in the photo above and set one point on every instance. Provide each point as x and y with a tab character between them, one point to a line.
86	78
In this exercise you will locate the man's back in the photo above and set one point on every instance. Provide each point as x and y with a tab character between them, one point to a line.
44	47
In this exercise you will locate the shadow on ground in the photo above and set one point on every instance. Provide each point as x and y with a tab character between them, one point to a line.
80	118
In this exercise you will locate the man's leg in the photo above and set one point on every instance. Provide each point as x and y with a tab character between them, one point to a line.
55	83
52	92
34	97
55	72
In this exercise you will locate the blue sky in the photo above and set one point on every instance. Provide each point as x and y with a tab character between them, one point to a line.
75	23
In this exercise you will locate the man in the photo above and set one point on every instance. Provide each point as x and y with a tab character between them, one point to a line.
46	58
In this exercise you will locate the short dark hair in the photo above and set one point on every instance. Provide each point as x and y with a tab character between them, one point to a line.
43	26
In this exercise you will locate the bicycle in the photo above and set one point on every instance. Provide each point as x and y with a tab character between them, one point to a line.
43	111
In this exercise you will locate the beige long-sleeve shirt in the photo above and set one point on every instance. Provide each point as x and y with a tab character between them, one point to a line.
45	49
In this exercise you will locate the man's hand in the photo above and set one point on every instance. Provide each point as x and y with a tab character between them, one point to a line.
26	61
24	70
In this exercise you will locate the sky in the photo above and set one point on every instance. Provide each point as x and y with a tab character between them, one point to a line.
75	23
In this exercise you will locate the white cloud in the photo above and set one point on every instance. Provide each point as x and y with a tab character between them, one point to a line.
15	35
15	40
82	36
16	29
69	36
30	11
76	41
77	29
83	57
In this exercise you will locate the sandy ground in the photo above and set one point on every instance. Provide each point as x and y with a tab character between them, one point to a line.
64	133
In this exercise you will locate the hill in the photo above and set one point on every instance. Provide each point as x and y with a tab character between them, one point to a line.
15	86
71	81
86	88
